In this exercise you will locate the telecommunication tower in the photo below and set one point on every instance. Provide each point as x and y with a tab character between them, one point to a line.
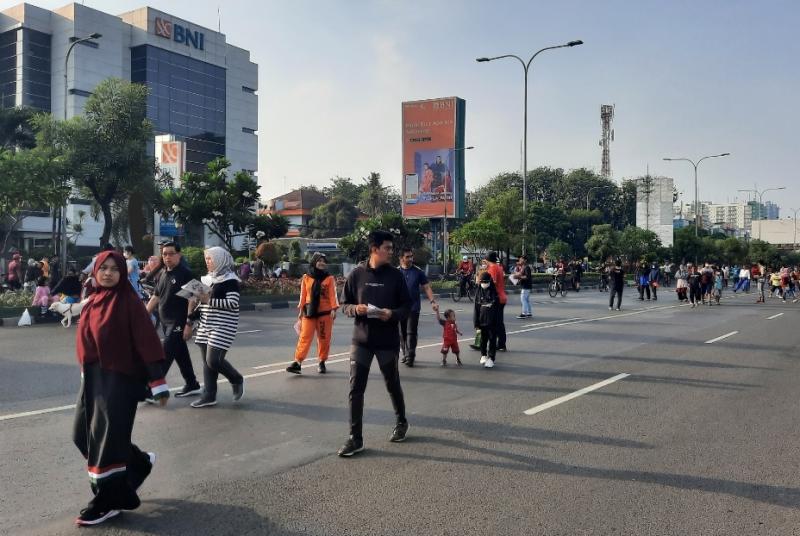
606	117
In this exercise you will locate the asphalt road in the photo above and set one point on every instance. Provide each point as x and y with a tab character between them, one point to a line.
700	438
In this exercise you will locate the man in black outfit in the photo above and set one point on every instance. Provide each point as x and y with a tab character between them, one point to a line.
617	279
377	296
172	312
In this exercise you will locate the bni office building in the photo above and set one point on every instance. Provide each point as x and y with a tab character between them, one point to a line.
202	89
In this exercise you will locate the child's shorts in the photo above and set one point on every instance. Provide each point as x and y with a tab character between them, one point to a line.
453	347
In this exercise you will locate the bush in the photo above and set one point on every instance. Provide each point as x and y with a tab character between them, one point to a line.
18	298
196	259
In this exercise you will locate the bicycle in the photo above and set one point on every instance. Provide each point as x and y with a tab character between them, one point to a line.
467	289
556	286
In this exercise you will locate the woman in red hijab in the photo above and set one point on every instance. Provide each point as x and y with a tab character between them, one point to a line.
120	356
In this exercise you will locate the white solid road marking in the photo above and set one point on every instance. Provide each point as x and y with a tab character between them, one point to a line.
721	337
576	394
774	316
535	327
249	331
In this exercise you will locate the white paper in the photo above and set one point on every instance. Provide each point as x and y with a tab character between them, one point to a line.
193	289
372	311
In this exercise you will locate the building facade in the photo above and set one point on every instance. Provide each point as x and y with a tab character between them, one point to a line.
654	199
202	89
296	206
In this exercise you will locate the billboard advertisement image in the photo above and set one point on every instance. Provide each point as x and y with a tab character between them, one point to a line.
433	158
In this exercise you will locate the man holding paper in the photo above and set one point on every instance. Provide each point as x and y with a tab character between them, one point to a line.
172	310
376	295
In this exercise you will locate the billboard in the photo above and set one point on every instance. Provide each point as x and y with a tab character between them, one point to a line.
171	158
433	170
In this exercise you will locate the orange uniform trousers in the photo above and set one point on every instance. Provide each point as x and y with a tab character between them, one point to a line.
323	327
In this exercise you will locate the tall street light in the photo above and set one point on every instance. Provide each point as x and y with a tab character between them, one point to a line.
794	220
64	243
760	194
696	201
444	220
526	68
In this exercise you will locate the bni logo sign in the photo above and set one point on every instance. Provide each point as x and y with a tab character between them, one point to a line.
179	34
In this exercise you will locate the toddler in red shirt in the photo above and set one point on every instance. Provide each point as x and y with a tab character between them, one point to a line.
450	334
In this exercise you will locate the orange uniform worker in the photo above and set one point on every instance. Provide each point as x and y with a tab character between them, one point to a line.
318	305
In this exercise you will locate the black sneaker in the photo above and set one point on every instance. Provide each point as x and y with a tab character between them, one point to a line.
404	359
410	362
94	516
203	402
503	349
150	400
399	432
522	317
238	390
351	447
321	367
189	390
294	368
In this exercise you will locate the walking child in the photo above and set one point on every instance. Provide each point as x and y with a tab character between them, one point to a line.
42	296
450	334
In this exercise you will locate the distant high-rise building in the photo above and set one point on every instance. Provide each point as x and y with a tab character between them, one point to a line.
654	206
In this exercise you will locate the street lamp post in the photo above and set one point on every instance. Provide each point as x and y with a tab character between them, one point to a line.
526	68
444	220
64	242
760	194
696	201
794	220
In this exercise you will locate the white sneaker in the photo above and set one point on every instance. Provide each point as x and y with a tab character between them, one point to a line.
489	363
483	359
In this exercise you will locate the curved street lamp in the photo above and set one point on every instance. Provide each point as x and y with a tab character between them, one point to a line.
526	67
64	240
696	202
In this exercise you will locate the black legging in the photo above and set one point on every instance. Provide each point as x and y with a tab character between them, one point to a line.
360	361
488	342
695	294
500	327
615	291
214	364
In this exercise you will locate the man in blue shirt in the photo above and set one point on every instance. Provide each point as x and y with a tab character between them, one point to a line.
415	278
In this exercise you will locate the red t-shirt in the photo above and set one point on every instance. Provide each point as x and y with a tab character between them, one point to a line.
450	331
498	276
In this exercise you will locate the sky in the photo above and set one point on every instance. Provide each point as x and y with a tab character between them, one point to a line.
688	79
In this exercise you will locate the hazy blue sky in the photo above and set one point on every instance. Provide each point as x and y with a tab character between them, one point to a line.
688	78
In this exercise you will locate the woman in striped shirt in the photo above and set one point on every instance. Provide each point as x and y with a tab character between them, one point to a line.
218	320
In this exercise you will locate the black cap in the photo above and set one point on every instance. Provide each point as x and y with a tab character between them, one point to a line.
485	277
491	256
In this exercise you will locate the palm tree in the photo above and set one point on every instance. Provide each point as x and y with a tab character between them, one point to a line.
16	129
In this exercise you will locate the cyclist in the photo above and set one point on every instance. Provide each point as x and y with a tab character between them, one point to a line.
561	271
465	272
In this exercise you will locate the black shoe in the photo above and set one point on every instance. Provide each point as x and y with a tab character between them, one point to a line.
321	367
150	400
351	447
137	476
399	432
503	349
189	390
238	390
94	515
410	362
404	359
521	317
294	368
204	402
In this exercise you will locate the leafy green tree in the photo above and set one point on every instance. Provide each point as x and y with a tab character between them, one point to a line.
581	221
226	207
334	218
603	243
480	234
506	209
345	188
105	149
636	244
763	251
558	249
407	233
269	226
547	223
376	199
686	246
17	130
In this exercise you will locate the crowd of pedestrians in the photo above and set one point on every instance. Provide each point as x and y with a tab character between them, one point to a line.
138	320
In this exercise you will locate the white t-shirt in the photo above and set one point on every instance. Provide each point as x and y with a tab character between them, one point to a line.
744	273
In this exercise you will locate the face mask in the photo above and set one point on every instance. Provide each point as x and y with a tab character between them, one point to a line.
484	285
